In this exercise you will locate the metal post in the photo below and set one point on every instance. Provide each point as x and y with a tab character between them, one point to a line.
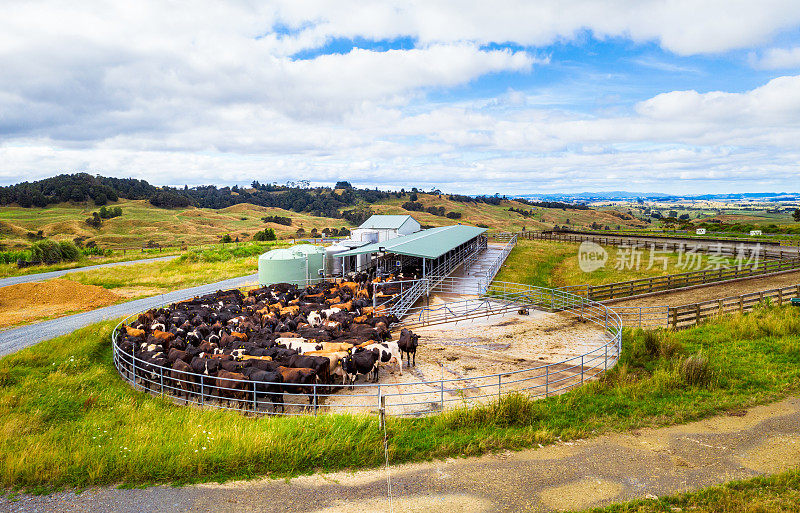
605	360
441	366
161	378
202	390
315	398
546	381
382	410
133	359
581	369
499	386
255	400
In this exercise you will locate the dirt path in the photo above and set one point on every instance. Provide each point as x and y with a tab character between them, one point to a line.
579	474
722	290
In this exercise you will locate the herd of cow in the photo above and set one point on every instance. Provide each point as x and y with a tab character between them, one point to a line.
278	339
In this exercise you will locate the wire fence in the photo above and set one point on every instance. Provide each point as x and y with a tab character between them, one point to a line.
413	397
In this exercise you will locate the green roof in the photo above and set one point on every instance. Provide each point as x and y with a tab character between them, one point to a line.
430	243
385	222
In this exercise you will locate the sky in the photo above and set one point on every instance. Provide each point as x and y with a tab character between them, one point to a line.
551	96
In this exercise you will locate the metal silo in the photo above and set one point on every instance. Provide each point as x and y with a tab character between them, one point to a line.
315	258
297	264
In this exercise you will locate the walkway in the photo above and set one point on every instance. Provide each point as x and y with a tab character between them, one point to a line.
610	468
28	278
471	279
13	340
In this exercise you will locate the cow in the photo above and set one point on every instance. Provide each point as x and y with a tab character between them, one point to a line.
231	386
182	380
407	343
388	353
364	362
267	384
299	381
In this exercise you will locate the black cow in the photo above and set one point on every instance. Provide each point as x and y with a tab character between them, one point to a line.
365	362
408	344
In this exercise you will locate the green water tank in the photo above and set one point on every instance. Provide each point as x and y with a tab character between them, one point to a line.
297	264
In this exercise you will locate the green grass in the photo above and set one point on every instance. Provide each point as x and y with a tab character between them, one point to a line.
189	270
68	420
764	494
8	270
555	264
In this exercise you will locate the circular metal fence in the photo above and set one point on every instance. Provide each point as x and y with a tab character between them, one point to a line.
402	398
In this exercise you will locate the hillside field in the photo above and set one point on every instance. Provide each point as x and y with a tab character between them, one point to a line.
141	222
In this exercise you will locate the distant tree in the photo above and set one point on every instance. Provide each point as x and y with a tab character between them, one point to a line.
796	215
342	184
95	221
413	196
100	199
344	232
226	239
454	215
300	232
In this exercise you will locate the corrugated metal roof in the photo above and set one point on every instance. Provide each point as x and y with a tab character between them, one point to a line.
430	243
385	222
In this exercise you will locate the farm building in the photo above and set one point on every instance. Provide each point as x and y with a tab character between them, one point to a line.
386	227
431	251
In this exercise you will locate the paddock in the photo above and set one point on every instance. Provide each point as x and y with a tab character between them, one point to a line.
471	351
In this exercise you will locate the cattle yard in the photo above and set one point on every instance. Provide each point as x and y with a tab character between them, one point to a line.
284	349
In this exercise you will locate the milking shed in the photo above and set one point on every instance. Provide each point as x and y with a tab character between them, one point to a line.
435	251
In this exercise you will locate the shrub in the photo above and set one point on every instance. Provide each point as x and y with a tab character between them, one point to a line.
696	370
46	251
69	251
226	239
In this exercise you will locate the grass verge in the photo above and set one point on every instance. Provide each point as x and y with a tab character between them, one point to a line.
764	494
68	420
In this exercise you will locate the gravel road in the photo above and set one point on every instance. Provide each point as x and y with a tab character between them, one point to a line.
28	278
19	338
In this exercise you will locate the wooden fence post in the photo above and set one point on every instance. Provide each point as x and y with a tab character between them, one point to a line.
697	313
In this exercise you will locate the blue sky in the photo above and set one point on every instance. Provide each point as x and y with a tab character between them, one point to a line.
512	97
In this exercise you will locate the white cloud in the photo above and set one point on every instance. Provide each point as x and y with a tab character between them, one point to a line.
777	58
212	93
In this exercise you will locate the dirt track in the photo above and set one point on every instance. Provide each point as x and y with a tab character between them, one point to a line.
571	475
707	293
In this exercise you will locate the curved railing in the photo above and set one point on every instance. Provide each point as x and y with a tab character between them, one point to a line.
416	397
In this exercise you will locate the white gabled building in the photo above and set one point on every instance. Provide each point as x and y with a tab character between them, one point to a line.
380	228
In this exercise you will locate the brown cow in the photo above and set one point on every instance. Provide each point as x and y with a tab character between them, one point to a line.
133	332
164	336
231	386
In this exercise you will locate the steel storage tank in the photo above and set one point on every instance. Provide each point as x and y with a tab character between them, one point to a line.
297	264
364	235
281	265
315	256
333	265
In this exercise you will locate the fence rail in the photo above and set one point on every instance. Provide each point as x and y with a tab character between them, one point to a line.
688	315
720	247
401	398
675	281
